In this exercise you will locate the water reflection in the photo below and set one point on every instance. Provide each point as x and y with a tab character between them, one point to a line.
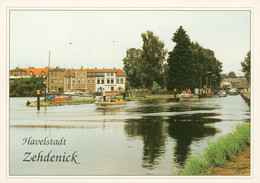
188	128
152	131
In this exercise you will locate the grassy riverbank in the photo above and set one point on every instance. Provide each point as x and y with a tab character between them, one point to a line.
219	152
145	97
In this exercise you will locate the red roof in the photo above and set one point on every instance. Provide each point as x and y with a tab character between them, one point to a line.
37	71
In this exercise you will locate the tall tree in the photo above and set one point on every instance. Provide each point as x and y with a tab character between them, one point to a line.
132	67
153	57
246	64
232	74
180	64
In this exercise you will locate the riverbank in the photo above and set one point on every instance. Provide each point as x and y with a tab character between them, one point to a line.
221	154
246	97
61	103
91	101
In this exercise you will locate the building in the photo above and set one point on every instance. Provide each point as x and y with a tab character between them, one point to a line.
240	84
56	78
93	80
109	79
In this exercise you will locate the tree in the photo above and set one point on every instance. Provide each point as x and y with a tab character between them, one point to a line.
180	64
132	67
232	74
246	64
155	87
223	76
153	57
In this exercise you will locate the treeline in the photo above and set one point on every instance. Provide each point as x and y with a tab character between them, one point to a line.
188	65
26	86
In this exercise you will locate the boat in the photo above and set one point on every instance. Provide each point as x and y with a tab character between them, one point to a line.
190	98
110	103
233	91
222	93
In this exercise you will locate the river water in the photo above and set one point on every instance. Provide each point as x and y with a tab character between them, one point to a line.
139	139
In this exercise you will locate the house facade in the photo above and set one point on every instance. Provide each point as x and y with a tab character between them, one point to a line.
240	84
56	80
61	80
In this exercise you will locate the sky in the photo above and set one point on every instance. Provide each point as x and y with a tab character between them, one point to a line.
101	38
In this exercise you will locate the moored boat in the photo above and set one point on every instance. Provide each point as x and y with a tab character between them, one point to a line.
189	98
110	103
233	91
222	93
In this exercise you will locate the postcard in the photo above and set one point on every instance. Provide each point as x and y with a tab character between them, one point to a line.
130	93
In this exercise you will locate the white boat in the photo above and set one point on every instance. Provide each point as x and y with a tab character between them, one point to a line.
233	91
222	93
189	98
110	103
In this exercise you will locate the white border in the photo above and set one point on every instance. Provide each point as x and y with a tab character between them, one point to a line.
116	5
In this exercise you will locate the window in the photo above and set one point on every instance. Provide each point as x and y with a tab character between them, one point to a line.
108	81
51	73
121	81
42	73
108	74
55	73
88	81
117	81
79	81
56	81
60	80
103	81
52	81
31	73
98	81
79	74
112	81
61	74
83	81
93	81
83	74
73	81
68	80
55	87
52	88
12	74
112	74
112	88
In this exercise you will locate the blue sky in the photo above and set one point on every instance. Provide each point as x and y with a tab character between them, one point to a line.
101	38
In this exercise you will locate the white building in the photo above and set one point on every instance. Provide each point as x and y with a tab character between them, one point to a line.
110	80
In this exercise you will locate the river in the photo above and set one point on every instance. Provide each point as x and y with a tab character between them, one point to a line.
139	139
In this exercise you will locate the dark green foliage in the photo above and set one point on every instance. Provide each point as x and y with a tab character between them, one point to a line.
188	62
146	65
246	64
132	67
27	86
153	56
232	74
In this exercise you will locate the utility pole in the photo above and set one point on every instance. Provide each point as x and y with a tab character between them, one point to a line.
48	71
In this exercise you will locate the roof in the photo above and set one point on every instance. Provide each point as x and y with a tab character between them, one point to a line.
119	72
37	71
233	80
17	70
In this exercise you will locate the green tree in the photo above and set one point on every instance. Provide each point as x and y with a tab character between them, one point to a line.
232	74
27	86
155	87
180	62
132	67
246	64
152	60
223	76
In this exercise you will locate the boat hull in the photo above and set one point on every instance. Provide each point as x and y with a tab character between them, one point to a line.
189	99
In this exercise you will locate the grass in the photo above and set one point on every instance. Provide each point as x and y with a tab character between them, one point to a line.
218	152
